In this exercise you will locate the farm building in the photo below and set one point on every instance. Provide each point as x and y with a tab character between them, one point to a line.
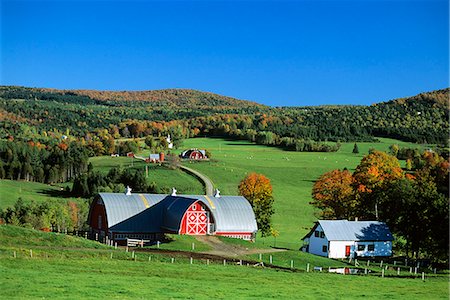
343	239
119	216
194	154
156	158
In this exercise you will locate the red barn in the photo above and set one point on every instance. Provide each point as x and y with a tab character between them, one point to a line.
150	216
194	154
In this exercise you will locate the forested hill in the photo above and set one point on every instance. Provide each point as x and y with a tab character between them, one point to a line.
29	112
171	98
437	99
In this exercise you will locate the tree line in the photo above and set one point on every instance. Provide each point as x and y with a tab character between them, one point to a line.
50	215
423	118
33	161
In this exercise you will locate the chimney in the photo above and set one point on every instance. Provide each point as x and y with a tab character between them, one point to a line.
174	192
217	193
356	219
128	191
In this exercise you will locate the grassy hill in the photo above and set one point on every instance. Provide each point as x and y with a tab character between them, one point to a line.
11	190
292	175
69	267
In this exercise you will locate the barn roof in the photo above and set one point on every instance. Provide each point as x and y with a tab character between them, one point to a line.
148	212
344	230
120	207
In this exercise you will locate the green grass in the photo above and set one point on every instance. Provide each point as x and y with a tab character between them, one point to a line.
102	278
71	267
164	178
11	190
292	175
182	243
12	236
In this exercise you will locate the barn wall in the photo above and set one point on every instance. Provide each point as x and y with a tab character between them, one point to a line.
316	243
202	220
248	236
98	209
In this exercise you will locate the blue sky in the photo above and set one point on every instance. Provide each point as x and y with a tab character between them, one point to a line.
273	52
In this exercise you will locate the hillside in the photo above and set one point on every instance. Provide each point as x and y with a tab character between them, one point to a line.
173	98
35	265
188	113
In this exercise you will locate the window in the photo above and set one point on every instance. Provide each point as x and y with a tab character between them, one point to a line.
99	221
361	247
316	233
322	234
324	248
370	247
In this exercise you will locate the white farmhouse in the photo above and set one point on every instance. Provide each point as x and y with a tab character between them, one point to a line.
343	239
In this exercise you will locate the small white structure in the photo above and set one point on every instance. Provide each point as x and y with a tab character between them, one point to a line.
169	142
344	239
128	191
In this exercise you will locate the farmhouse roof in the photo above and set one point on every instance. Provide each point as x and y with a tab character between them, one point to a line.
344	230
148	212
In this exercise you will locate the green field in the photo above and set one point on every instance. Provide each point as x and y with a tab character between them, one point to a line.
11	190
164	178
292	175
69	267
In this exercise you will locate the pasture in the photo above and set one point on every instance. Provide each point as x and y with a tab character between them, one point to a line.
164	178
70	267
11	190
292	175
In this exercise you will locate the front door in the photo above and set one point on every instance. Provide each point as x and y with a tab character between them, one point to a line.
347	250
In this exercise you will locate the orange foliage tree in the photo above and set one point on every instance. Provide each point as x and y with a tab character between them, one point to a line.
73	209
257	189
373	173
333	195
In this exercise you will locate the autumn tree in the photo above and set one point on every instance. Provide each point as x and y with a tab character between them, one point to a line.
375	170
257	189
333	195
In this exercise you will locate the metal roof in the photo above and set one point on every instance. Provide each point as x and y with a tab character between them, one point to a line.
344	230
174	209
129	213
120	207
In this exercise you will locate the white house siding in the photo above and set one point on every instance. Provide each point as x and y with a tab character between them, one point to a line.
337	248
316	243
381	248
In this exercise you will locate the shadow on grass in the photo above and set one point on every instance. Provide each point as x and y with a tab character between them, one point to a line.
56	193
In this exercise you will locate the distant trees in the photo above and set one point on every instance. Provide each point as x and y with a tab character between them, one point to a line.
414	205
50	215
91	183
257	189
423	118
33	161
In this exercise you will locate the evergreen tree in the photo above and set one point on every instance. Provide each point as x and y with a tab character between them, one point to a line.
355	149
